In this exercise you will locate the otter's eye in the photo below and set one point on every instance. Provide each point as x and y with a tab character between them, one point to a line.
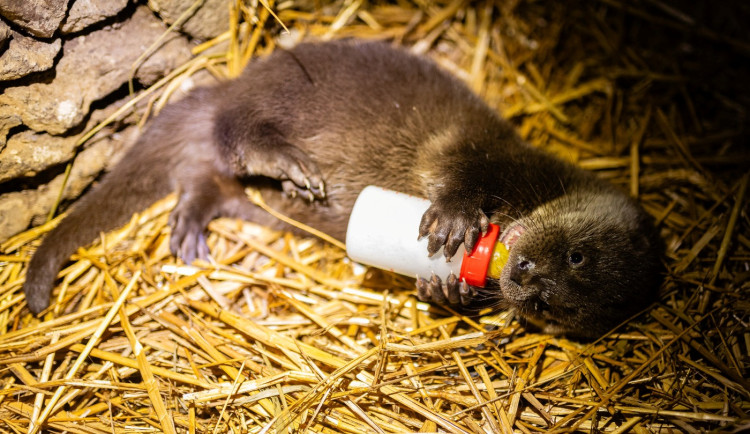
575	259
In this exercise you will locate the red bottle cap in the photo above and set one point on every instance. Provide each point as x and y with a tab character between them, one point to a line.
474	265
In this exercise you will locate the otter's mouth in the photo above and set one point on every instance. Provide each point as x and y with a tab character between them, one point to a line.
535	308
511	234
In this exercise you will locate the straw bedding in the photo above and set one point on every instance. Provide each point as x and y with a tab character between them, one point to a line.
284	334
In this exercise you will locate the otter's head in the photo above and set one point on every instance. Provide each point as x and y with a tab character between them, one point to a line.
581	264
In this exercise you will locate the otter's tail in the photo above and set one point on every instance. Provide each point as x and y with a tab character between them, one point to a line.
147	172
129	188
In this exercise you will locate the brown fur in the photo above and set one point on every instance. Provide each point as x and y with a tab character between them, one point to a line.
348	114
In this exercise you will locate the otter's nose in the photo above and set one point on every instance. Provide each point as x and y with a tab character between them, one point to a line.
525	264
521	273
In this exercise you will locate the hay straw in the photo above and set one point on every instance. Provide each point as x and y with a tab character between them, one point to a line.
34	425
283	333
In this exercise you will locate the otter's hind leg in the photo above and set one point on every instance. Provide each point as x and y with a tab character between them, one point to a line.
256	151
212	189
202	199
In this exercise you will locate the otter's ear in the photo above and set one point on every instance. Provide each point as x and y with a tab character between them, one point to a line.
641	242
644	235
647	240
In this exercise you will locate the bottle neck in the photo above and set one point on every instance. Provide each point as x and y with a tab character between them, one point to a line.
476	265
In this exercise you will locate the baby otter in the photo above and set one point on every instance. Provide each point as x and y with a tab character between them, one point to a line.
324	120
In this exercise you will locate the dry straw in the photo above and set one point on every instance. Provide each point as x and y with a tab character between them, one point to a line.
283	334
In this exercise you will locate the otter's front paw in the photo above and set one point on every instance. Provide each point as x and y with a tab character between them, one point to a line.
453	292
308	191
298	173
448	224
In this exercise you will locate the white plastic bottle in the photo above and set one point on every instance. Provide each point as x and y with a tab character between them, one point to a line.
383	232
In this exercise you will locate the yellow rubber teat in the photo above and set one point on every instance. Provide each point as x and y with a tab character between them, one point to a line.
497	262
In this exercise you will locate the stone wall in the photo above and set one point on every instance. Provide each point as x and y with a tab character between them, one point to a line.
64	67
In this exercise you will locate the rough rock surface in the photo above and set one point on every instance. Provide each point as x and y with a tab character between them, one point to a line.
42	115
26	55
4	34
209	21
92	67
40	17
27	153
8	119
84	13
19	209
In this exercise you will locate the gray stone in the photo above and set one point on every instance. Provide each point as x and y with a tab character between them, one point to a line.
84	13
92	67
209	21
40	17
26	55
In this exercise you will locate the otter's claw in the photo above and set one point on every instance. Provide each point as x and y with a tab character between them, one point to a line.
452	293
308	193
302	177
290	165
448	224
188	240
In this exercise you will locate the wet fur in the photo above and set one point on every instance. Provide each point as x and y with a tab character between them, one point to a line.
350	114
